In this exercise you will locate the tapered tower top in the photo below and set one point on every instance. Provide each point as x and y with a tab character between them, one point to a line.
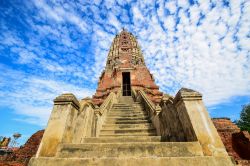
125	70
124	52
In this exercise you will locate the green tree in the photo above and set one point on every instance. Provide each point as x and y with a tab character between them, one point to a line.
244	121
1	139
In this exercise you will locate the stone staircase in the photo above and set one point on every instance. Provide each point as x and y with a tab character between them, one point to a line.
127	120
127	132
129	138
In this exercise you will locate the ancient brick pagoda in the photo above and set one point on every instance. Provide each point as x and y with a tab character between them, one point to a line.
129	122
126	69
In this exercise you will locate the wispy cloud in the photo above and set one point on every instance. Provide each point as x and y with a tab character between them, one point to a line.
61	13
33	96
49	47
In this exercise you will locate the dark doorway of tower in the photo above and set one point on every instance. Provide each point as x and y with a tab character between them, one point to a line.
126	85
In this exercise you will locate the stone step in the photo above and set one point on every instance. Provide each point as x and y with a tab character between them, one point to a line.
140	108
122	108
122	105
126	99
127	104
130	149
126	121
126	112
126	118
128	134
122	111
123	139
137	105
111	114
126	115
129	131
126	109
131	161
117	107
123	126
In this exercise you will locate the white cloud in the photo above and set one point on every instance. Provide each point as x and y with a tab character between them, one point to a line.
68	45
200	60
137	13
32	96
48	11
171	6
169	23
60	14
114	22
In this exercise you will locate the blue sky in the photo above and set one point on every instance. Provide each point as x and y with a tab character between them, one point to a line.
51	47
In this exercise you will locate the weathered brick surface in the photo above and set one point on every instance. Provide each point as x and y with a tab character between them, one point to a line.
125	56
225	129
225	125
243	162
237	143
22	156
241	144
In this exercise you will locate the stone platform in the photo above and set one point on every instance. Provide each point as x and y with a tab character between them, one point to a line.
134	161
128	137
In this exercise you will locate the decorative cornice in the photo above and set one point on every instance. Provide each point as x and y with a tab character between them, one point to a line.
67	98
126	68
187	94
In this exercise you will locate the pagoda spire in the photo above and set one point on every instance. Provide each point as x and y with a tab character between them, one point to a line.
125	62
124	52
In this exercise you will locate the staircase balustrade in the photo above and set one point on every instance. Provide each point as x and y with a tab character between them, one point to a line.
101	112
84	121
169	129
151	109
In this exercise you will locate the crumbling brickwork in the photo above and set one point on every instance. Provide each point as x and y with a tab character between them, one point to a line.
21	156
237	142
125	56
225	129
241	144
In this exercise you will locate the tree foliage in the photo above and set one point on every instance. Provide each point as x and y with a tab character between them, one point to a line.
244	121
